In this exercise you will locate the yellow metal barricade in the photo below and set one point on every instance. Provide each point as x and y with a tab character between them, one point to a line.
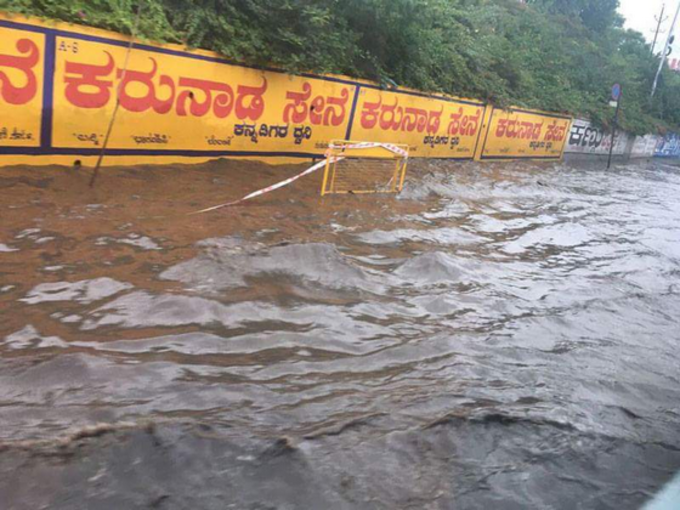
364	167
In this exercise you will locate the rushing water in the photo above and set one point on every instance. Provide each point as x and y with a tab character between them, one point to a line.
498	337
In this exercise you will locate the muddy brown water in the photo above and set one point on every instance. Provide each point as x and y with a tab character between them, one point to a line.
497	337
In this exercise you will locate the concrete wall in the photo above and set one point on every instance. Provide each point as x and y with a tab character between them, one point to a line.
59	85
587	141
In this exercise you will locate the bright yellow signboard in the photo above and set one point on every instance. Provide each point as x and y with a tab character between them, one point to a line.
60	84
172	102
432	127
522	134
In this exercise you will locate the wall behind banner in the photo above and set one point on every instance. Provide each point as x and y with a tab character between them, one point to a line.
523	134
589	140
586	138
644	146
58	87
668	146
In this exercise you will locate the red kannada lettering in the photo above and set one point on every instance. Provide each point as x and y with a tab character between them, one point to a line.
222	105
297	110
188	95
515	129
88	76
250	103
415	119
397	118
11	93
370	114
149	100
555	132
323	111
464	125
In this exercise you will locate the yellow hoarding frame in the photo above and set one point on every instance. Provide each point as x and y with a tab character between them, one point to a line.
338	151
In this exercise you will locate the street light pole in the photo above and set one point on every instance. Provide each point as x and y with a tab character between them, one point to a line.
615	125
658	27
665	50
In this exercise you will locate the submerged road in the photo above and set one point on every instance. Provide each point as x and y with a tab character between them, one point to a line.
498	337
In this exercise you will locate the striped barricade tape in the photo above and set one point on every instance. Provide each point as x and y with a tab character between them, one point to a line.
312	169
273	187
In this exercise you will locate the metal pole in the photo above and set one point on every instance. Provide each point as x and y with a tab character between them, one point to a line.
658	27
662	60
614	127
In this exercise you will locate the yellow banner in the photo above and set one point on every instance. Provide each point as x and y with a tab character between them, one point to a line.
21	87
521	134
432	127
174	102
183	104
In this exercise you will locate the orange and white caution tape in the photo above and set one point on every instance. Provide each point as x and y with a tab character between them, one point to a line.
371	145
329	158
273	187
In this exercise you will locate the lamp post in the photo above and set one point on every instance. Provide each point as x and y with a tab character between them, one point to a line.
658	27
664	53
617	93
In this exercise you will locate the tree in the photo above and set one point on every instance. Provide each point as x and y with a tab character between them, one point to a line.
559	55
597	15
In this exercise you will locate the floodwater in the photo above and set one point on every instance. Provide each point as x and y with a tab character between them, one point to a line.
497	337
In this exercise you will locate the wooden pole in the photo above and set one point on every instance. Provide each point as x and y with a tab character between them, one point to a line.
118	89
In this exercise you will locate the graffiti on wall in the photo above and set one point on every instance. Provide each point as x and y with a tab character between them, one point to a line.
585	138
60	84
668	146
644	146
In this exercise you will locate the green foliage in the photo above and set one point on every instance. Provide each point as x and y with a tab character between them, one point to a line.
594	14
558	55
115	15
